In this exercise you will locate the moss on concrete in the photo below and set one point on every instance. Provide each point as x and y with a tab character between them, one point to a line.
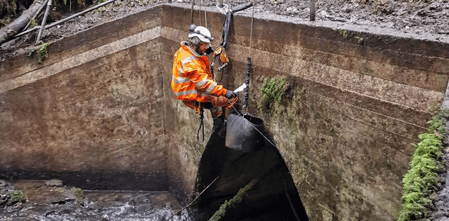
344	33
273	91
41	52
420	181
332	149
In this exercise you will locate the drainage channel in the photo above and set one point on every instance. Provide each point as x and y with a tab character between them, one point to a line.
50	201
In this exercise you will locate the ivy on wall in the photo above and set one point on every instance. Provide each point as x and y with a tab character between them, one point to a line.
421	179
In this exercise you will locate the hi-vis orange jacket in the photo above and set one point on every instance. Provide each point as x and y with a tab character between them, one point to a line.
192	80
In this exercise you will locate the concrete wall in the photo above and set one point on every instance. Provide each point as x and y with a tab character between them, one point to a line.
92	108
101	108
354	104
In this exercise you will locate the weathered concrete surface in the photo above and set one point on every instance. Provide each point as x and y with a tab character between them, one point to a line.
92	108
353	105
184	151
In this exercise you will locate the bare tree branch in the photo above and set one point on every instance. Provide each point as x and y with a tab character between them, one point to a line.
7	32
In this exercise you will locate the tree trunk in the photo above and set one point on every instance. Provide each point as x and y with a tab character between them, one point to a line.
7	32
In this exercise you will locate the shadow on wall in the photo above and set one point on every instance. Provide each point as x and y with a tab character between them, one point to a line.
273	197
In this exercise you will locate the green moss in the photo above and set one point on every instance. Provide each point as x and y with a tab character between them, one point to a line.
30	52
42	53
78	193
17	196
421	179
273	91
359	39
344	33
59	190
14	6
33	23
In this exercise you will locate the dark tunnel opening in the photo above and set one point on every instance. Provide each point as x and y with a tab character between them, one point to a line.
273	197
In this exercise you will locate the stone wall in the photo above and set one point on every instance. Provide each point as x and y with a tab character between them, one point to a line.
353	105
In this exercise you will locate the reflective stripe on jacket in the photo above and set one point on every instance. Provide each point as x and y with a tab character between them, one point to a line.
191	77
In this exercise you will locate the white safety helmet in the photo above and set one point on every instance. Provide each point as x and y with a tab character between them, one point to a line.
201	32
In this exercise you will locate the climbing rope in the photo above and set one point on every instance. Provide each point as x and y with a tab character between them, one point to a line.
199	12
247	86
205	16
248	69
191	12
251	30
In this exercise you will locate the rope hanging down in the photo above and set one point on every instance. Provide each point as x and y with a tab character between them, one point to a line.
205	16
247	79
191	12
251	30
248	67
199	13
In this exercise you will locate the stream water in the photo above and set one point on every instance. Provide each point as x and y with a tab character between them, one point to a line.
46	203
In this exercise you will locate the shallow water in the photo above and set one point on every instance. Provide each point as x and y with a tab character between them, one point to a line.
101	205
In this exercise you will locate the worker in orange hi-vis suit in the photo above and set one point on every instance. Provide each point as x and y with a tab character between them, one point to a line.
192	80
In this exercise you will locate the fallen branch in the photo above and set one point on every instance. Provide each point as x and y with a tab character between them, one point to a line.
43	22
35	15
236	199
68	18
8	32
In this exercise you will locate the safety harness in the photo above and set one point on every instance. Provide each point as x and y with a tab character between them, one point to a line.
200	110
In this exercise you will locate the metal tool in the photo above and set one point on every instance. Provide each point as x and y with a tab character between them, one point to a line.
241	88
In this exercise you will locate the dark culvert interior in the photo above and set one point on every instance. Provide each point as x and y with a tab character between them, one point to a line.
273	196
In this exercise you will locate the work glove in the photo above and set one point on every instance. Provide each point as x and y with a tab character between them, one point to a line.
230	94
231	102
220	101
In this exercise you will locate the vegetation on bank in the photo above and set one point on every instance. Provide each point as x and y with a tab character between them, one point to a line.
40	51
420	182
